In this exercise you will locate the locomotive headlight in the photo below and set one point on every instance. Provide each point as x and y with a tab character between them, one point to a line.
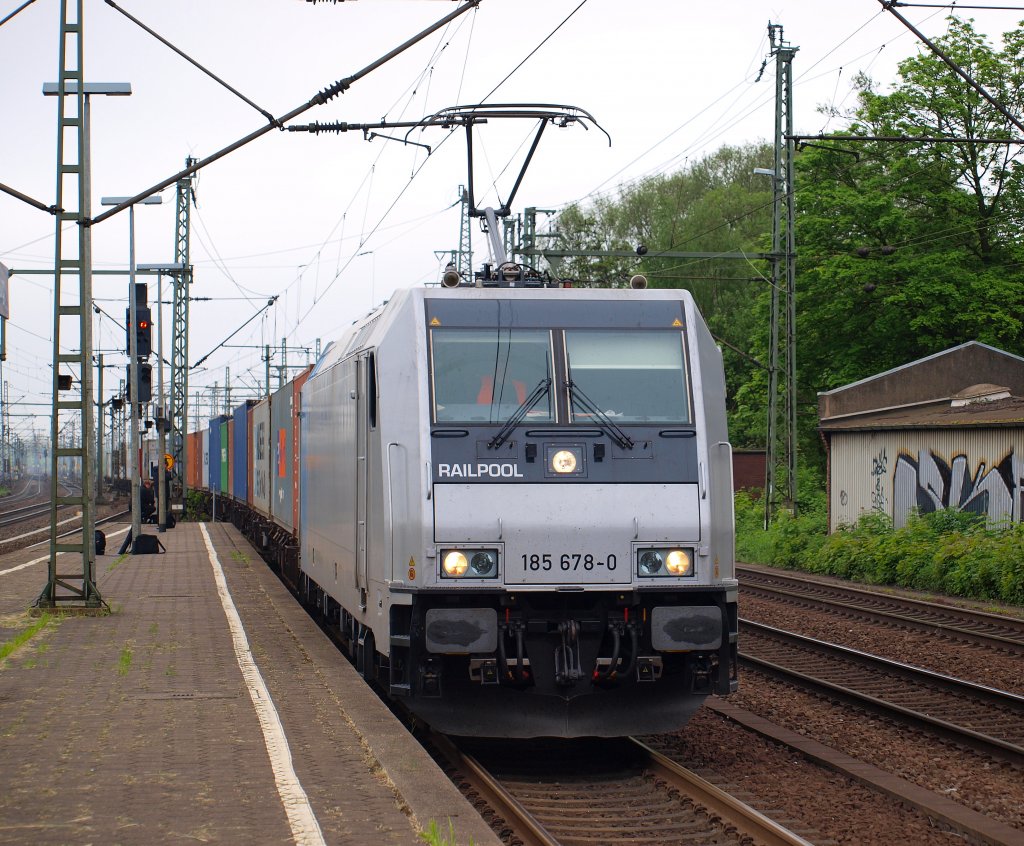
484	563
650	563
564	461
455	564
664	562
678	562
469	563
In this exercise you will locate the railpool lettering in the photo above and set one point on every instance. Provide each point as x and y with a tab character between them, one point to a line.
479	471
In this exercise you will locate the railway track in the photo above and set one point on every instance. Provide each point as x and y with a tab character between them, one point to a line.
983	718
990	630
32	487
616	792
26	513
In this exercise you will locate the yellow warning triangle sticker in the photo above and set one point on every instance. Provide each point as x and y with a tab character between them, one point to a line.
677	322
435	322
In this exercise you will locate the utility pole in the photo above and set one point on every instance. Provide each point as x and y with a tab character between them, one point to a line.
464	260
99	427
266	362
227	390
179	337
72	304
783	296
282	373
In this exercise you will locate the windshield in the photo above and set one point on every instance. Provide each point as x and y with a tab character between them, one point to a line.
637	376
485	375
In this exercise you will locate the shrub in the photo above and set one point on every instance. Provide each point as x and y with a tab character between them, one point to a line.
947	551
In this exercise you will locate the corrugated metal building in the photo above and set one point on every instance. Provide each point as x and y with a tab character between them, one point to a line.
946	431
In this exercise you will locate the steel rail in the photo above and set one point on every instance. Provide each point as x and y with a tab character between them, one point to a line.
26	512
798	587
527	827
748	821
992	746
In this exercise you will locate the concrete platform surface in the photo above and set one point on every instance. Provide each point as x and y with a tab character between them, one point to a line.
207	707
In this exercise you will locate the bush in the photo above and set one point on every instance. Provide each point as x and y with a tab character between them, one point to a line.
949	551
196	507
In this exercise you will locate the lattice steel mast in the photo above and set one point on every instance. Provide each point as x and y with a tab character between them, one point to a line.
72	325
179	337
464	264
783	303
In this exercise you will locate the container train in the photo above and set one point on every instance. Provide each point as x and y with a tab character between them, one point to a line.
512	502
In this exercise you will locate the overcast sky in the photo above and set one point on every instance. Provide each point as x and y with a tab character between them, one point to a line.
333	224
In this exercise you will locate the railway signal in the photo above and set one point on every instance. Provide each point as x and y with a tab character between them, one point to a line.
142	325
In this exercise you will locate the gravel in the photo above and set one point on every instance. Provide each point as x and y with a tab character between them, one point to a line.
824	806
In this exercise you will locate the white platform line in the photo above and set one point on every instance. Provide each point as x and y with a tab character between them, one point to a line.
305	827
44	529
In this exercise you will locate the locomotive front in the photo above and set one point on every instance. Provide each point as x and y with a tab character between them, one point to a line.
580	477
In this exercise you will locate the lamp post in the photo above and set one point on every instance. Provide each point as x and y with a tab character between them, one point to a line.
133	364
162	421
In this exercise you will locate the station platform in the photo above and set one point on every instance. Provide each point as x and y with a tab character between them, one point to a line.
207	707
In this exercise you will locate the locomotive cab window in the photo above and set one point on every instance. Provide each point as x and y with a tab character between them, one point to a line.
487	376
636	376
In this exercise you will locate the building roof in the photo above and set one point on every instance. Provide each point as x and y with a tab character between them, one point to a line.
987	384
934	415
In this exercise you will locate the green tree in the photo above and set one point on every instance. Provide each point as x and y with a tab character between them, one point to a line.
716	204
908	249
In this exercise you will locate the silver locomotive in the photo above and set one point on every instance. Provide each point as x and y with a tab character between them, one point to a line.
517	507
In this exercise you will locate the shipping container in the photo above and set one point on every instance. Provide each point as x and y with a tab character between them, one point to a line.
193	472
261	455
240	451
300	380
282	470
225	454
218	454
205	469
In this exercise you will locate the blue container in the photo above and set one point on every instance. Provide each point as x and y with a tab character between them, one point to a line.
218	451
240	452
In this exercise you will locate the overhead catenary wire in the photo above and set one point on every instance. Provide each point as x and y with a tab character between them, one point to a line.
192	61
20	8
324	96
363	240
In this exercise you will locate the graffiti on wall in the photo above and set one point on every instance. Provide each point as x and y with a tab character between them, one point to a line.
879	465
930	483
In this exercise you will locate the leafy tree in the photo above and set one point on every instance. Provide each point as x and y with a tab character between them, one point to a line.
903	249
909	249
716	204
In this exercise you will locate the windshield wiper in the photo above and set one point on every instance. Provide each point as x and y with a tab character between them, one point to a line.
604	421
517	416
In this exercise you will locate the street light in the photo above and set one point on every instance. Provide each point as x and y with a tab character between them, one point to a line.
162	419
133	365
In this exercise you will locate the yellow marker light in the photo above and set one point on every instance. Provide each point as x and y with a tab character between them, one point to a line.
678	562
455	564
564	461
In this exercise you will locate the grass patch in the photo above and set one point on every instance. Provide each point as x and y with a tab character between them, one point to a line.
124	660
239	556
117	562
24	636
435	837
